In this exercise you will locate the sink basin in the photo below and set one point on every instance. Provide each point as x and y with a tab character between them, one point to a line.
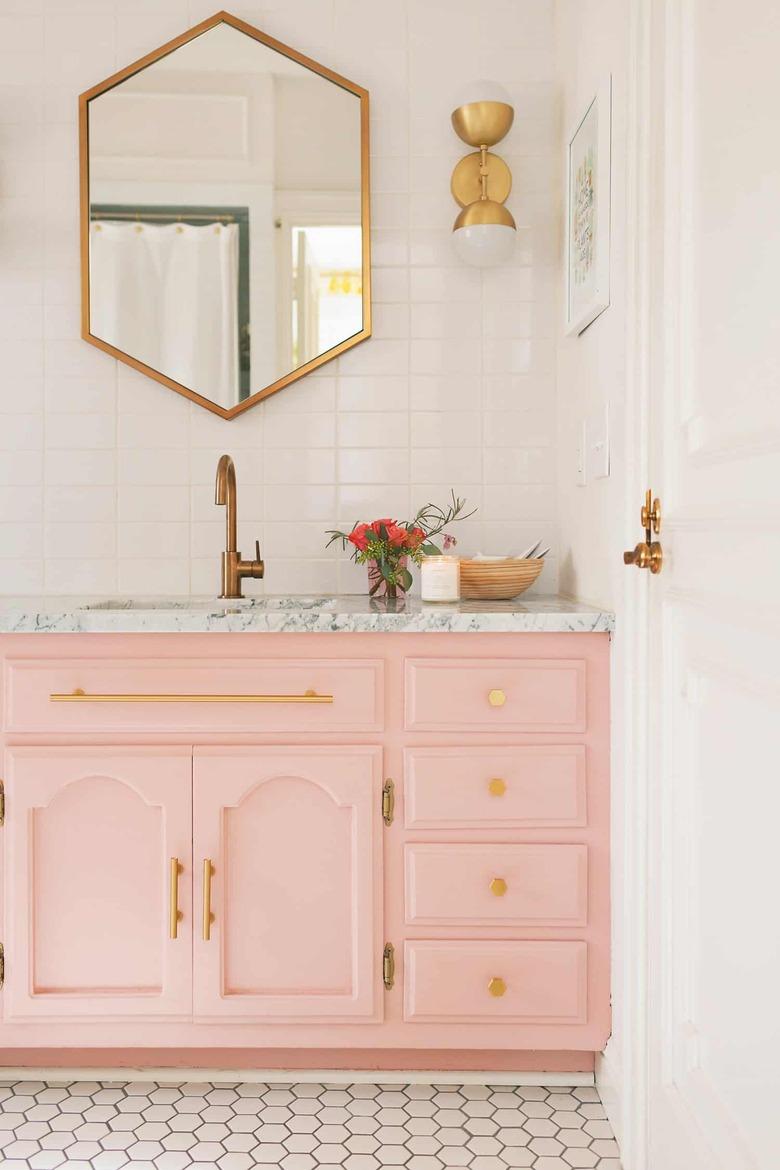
209	603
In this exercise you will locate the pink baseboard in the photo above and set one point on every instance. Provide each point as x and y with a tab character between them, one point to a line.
412	1060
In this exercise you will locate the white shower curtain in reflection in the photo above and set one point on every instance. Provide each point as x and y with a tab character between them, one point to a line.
167	294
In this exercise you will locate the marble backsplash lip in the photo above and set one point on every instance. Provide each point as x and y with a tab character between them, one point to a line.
295	615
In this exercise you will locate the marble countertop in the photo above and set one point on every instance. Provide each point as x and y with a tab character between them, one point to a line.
289	615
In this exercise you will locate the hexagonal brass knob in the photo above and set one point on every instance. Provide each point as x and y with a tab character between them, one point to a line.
497	786
496	986
496	698
498	887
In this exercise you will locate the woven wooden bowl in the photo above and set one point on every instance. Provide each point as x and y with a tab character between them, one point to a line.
498	580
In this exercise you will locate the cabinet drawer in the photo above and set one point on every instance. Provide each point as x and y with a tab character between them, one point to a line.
484	885
194	695
542	982
495	694
495	788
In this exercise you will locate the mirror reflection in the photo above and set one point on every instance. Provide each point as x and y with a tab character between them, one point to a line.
226	217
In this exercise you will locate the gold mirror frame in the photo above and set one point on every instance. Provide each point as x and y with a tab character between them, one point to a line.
149	59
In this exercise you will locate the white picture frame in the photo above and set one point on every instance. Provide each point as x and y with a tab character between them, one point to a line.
587	236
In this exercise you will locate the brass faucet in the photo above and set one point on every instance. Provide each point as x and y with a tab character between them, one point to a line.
233	568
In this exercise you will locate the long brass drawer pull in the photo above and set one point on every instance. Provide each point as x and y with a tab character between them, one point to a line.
79	696
208	917
175	913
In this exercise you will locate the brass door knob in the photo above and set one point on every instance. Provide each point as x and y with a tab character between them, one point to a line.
496	698
498	887
496	786
497	987
646	556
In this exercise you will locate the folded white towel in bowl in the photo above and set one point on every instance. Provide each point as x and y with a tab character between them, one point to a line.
535	551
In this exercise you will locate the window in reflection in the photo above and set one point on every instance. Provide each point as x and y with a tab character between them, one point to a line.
327	286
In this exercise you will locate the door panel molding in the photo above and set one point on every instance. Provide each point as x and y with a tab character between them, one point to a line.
226	779
38	779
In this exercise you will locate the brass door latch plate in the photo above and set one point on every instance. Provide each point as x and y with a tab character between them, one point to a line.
648	554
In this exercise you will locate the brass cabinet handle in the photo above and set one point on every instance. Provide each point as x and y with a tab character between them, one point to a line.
496	698
79	696
208	917
175	914
388	966
497	986
498	887
496	786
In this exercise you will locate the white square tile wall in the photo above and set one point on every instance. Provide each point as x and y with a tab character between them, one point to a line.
106	478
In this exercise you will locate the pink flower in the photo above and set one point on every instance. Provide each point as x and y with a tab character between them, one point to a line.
448	542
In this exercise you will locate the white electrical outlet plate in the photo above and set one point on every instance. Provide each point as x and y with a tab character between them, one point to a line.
582	477
597	445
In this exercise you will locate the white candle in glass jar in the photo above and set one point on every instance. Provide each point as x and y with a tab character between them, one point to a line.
440	579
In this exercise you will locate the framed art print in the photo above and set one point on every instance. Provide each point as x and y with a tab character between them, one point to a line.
588	165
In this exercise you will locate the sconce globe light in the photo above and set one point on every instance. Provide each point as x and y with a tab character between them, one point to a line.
484	232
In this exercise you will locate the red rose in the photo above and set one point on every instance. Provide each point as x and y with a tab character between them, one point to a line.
416	537
396	535
358	536
377	525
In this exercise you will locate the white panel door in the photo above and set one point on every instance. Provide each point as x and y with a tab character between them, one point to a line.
714	743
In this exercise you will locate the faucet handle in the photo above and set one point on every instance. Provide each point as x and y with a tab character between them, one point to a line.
257	567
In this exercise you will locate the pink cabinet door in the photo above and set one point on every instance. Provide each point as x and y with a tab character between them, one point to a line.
292	836
90	836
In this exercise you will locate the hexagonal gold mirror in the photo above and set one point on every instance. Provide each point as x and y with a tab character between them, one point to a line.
225	215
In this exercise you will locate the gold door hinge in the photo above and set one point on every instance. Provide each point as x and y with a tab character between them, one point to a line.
2	964
2	803
388	966
388	802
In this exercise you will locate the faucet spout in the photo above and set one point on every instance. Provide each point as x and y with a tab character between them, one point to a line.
234	569
226	494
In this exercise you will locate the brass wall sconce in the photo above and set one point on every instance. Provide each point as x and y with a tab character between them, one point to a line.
484	232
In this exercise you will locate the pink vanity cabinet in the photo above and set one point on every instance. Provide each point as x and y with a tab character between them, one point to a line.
403	847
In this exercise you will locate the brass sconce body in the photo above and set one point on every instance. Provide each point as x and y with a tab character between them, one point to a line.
481	183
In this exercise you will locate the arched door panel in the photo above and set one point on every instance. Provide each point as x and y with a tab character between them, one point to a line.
292	835
90	834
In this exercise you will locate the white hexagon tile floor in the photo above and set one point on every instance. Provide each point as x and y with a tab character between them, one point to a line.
143	1126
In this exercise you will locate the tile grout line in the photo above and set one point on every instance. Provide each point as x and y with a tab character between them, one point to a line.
143	1125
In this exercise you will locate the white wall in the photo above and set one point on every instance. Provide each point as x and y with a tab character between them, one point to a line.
106	478
593	41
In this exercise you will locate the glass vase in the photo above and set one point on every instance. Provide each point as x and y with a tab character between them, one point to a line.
378	587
